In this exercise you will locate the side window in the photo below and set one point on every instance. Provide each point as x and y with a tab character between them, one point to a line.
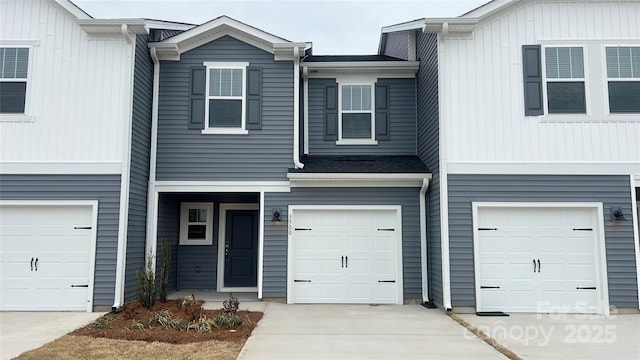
565	80
225	103
356	114
196	224
623	79
14	68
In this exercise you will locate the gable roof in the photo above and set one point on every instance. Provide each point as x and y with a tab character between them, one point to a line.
171	48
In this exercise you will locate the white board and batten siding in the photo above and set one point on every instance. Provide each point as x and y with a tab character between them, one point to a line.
481	79
78	90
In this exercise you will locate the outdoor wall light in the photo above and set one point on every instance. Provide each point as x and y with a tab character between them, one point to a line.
617	215
276	216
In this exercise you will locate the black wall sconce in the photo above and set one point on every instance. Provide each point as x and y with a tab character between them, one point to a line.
617	215
276	216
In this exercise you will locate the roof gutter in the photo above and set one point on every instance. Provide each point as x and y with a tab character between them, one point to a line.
296	108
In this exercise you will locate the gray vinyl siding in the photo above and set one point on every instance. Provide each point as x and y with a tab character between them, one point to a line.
185	259
139	169
105	189
402	119
397	45
275	236
264	154
428	149
612	191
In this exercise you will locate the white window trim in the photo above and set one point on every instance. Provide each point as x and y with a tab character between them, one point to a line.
605	83
242	130
370	141
184	222
584	79
27	116
595	61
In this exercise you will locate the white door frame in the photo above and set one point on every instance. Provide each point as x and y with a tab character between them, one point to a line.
222	223
93	204
290	245
600	251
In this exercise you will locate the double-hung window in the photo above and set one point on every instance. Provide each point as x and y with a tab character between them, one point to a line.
356	114
225	105
565	80
196	224
14	68
623	79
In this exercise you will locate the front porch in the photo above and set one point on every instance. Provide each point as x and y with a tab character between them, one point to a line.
213	238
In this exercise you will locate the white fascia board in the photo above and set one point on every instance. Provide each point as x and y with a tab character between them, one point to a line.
357	179
411	25
72	9
489	8
61	167
222	186
167	25
450	25
365	65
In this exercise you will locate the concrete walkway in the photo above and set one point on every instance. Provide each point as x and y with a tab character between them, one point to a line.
23	331
361	332
564	336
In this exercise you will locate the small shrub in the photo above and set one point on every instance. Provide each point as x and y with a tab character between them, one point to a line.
203	324
146	285
164	318
230	321
191	307
103	322
230	306
165	263
140	325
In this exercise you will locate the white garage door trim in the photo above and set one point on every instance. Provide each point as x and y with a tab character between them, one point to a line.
93	204
290	246
600	252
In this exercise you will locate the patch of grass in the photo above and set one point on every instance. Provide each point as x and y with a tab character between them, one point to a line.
104	322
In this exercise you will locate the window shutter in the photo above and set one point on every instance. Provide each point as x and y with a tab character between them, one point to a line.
382	112
197	98
254	98
532	71
331	112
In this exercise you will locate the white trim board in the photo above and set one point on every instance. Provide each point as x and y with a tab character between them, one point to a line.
94	231
222	222
544	168
290	251
600	251
222	186
61	167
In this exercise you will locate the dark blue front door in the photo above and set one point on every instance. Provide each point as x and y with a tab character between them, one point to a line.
241	249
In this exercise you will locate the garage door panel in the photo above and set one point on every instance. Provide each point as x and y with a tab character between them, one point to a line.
354	256
48	234
542	234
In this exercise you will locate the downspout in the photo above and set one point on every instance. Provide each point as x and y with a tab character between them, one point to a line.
152	198
296	108
423	241
123	215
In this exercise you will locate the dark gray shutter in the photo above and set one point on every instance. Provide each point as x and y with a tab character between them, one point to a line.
532	71
382	112
197	98
331	112
254	98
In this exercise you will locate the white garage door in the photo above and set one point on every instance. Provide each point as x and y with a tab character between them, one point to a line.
536	260
45	257
346	256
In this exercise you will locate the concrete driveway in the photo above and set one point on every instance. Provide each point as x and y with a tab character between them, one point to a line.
564	336
23	331
361	332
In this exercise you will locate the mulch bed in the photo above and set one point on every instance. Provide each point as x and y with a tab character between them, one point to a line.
120	325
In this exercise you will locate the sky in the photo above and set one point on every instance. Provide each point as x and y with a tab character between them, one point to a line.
347	27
